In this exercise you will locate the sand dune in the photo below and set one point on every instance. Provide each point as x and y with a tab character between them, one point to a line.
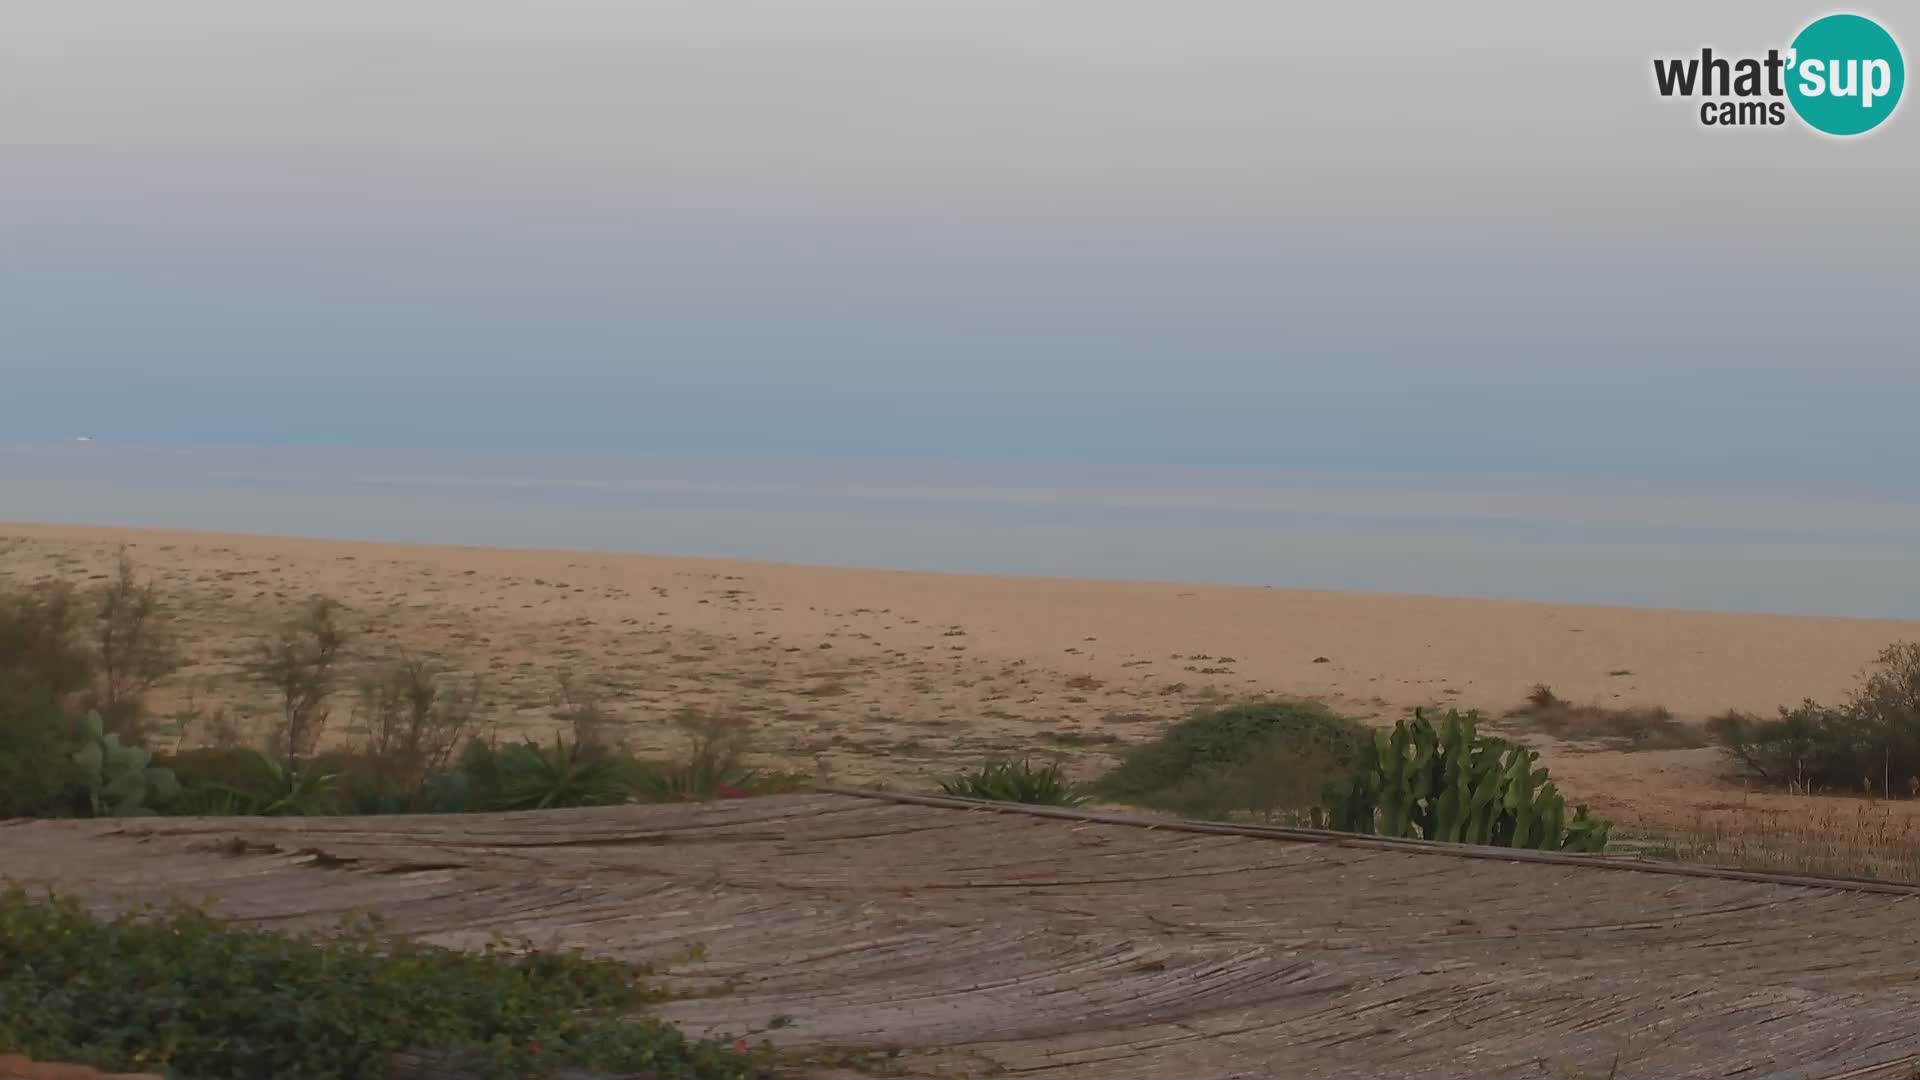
868	674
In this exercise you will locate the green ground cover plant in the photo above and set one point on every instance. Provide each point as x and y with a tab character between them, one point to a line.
180	991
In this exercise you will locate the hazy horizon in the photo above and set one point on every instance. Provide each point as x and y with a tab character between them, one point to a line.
1656	545
1418	297
1363	237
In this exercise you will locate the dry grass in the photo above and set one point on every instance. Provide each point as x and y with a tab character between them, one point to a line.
1637	727
1851	838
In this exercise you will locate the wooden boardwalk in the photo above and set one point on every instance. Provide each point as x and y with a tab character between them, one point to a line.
989	941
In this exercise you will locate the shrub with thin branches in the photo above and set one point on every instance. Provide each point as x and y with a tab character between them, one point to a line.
133	645
299	662
45	667
714	765
414	715
1871	743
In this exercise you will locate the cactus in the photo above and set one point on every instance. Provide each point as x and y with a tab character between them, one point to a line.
1586	833
121	780
1447	782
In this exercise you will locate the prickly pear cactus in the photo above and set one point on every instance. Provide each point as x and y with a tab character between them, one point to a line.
121	780
1447	782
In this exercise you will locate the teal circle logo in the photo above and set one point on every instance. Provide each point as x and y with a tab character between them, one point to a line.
1845	74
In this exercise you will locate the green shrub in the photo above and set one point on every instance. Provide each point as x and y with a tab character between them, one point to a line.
289	791
299	662
231	782
180	991
414	716
1016	781
1794	748
714	765
208	771
1449	783
533	777
45	667
44	658
133	647
38	777
1871	743
528	776
486	777
1270	759
62	652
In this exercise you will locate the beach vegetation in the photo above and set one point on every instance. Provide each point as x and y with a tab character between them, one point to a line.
1265	760
73	661
1869	743
299	661
1633	727
178	991
1441	779
1017	781
132	647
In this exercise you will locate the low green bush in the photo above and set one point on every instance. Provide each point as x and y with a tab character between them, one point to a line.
1870	743
207	767
1268	759
1016	781
486	776
182	992
528	776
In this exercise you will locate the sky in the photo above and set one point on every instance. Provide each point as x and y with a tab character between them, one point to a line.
1369	236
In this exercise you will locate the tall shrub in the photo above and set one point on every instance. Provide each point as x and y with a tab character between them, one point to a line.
132	645
45	666
298	661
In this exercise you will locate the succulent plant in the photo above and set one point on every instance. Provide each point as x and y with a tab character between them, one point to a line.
121	780
1447	782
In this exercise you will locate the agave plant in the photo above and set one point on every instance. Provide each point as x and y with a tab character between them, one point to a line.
531	777
712	768
1016	781
283	791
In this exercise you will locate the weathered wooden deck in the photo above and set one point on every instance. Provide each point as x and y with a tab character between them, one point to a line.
987	940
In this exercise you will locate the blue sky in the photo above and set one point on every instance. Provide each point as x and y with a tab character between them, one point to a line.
1373	236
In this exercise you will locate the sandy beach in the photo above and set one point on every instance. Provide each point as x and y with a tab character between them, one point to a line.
867	676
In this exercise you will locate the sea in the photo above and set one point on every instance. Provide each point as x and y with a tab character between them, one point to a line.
1640	544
